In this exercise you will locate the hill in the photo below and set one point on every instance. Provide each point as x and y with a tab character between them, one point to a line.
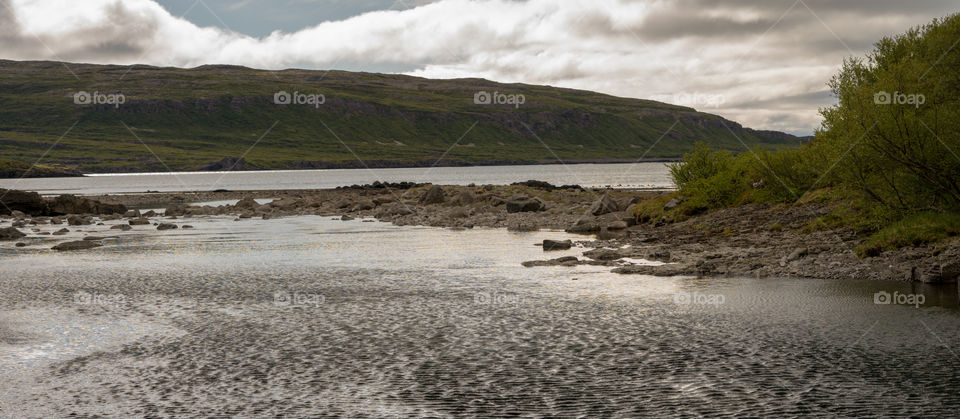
145	118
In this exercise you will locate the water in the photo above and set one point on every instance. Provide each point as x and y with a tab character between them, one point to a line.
637	175
307	316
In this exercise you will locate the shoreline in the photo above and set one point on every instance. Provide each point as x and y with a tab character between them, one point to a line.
752	240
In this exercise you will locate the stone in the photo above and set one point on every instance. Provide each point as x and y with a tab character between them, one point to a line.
584	226
132	214
524	204
364	205
603	254
937	273
434	195
61	232
466	197
20	244
458	213
557	244
71	204
18	214
563	261
10	233
672	204
76	245
26	202
186	226
139	222
346	218
522	226
123	227
166	226
604	205
150	213
76	220
250	203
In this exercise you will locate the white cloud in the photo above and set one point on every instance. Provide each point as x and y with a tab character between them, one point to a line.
765	64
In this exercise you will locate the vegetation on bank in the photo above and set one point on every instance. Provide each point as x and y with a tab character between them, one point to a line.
886	154
15	169
184	119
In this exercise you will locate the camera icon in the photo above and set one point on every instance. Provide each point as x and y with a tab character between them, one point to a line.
482	98
281	298
881	98
82	98
683	298
82	298
882	297
482	298
282	98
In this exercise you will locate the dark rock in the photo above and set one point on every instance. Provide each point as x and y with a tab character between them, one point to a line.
150	213
139	222
434	195
71	204
672	204
20	244
346	218
186	226
76	220
61	232
123	227
524	204
167	226
250	203
77	245
10	233
27	202
466	197
603	254
563	261
605	205
557	244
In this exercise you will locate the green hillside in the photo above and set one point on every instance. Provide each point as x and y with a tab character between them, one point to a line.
186	119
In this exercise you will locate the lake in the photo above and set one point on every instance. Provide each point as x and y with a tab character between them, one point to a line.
637	175
308	316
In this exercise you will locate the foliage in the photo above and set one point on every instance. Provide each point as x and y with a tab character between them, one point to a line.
915	230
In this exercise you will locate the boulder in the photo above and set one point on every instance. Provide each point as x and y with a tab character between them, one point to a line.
603	254
672	204
132	214
466	197
937	273
76	220
61	232
364	205
27	202
77	245
524	204
605	205
346	218
434	195
522	226
250	203
166	226
139	222
172	210
584	226
18	214
557	244
10	233
123	227
71	204
564	261
150	213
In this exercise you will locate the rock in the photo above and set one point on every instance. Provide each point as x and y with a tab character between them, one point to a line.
524	204
364	205
94	238
608	234
18	214
150	213
604	205
76	220
797	254
19	223
617	225
61	232
584	226
123	227
71	204
77	245
56	220
132	214
166	226
346	218
603	254
10	233
466	197
186	226
937	274
434	195
27	202
245	216
672	204
457	213
139	222
557	244
564	261
20	244
250	203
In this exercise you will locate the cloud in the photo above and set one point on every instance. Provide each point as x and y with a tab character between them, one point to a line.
768	60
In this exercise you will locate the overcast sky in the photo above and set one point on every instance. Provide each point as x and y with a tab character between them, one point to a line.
763	63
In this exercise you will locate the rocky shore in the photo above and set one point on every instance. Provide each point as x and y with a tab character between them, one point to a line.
749	240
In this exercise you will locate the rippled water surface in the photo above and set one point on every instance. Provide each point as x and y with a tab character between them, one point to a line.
308	316
637	175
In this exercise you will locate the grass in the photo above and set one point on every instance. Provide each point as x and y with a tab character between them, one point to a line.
916	230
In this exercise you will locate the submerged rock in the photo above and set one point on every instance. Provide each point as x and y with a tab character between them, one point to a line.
10	233
77	245
166	226
557	244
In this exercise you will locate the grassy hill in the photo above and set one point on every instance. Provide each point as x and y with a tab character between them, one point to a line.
187	119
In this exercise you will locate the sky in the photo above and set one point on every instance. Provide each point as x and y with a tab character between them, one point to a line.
762	63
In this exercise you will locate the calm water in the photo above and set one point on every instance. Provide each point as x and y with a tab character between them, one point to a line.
307	316
638	175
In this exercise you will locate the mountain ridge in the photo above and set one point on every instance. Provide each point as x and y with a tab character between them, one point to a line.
182	119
